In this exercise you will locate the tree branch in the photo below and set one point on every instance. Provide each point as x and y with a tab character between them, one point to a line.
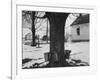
41	17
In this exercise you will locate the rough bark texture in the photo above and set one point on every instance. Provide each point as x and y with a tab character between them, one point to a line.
57	23
47	31
33	30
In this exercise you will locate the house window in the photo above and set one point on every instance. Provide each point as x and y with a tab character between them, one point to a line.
78	31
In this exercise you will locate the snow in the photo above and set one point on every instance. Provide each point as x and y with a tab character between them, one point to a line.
79	50
35	52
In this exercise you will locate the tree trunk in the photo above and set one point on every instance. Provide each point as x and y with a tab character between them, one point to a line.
33	29
57	23
47	31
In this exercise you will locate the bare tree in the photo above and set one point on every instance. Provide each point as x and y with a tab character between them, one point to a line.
32	18
33	29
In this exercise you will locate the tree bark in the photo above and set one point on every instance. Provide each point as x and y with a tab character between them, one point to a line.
47	31
33	29
57	23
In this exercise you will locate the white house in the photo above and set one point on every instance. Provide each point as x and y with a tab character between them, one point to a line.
80	29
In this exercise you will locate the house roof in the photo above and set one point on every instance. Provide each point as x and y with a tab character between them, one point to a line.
81	20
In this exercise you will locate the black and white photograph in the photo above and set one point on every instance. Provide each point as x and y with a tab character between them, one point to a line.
50	40
55	39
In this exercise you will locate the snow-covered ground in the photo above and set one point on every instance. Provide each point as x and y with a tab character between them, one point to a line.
79	50
35	52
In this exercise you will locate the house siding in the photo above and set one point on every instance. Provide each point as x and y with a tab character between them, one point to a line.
84	32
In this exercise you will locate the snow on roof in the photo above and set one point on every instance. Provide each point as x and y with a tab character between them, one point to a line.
81	20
